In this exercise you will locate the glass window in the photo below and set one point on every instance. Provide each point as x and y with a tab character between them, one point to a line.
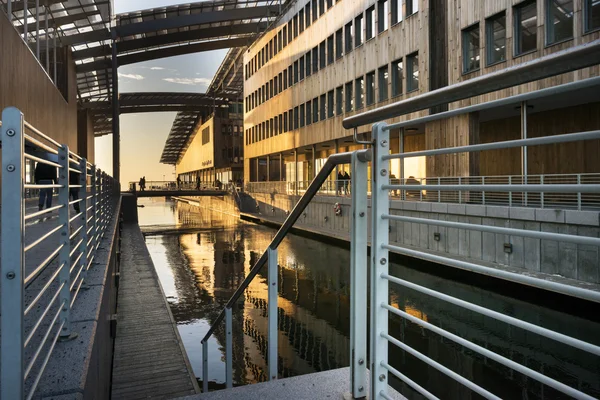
396	11
296	122
339	100
322	104
279	39
330	50
285	121
307	14
290	32
397	77
339	44
295	20
302	116
290	76
470	48
301	20
280	82
382	15
284	35
301	68
348	37
315	10
525	27
291	119
280	123
370	23
412	72
276	125
383	83
349	97
285	79
412	6
359	87
496	38
559	20
330	104
322	55
295	71
329	4
592	15
308	64
370	88
308	112
315	104
275	49
276	86
358	33
315	59
321	7
272	89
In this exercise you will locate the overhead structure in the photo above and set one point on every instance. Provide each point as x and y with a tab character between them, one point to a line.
181	135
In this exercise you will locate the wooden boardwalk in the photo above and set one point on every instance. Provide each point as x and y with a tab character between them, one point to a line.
149	359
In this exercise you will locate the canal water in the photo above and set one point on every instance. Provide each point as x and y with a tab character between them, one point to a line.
202	256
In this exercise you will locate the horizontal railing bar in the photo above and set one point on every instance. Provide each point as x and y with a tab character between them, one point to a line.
74	296
74	217
36	186
42	212
41	160
75	248
386	397
424	392
585	240
75	186
43	366
550	188
561	387
441	368
42	266
551	91
42	343
41	239
571	59
71	169
43	290
507	144
559	337
40	133
40	144
91	259
78	272
41	318
311	191
575	291
77	156
75	202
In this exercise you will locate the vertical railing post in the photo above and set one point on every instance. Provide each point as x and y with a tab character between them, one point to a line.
228	348
524	162
421	190
205	367
9	10
37	29
93	205
483	191
83	193
439	191
25	17
510	192
459	190
272	311
12	231
64	254
579	192
379	261
358	279
542	192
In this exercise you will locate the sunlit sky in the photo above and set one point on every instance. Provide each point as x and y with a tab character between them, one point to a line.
143	135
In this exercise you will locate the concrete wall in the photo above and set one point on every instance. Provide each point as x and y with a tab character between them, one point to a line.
571	261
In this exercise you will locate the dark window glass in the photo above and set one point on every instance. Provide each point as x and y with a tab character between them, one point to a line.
284	35
280	82
295	21
339	100
291	119
358	32
290	76
349	97
301	21
315	59
285	79
279	41
290	32
396	11
370	88
592	15
322	104
383	83
275	86
359	96
285	121
302	116
321	7
496	38
308	112
348	37
470	48
370	22
308	64
296	122
382	15
315	10
330	104
412	72
339	44
525	27
330	57
412	6
315	104
322	55
308	15
301	67
559	21
329	4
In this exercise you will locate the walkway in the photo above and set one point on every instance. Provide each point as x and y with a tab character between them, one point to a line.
149	359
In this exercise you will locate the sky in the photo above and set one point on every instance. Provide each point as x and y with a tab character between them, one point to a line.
143	136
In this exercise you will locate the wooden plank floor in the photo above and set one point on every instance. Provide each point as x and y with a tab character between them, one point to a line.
149	360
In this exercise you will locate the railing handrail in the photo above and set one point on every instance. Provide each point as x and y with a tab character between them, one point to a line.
571	59
311	191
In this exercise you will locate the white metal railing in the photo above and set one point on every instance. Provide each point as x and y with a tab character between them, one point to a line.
37	296
173	186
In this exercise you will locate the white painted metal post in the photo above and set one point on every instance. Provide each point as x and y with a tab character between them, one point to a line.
439	191
510	192
524	168
204	367
37	29
459	191
47	37
83	193
402	192
579	193
13	233
25	17
64	254
228	349
379	261
542	193
358	279
272	311
421	190
94	207
483	192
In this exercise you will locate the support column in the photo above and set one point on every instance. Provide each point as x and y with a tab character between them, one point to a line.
524	166
116	139
257	169
314	162
296	170
280	167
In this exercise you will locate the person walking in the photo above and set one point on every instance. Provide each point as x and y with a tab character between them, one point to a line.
346	182
197	181
141	184
45	175
178	183
340	183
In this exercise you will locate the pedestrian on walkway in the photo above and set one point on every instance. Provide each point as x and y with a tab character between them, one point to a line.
346	182
340	183
197	181
178	183
45	175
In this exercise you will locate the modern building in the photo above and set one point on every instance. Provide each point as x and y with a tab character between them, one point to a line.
323	61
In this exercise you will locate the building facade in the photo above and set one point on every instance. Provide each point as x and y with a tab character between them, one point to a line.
325	60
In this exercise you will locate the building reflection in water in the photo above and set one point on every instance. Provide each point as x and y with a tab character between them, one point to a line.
200	271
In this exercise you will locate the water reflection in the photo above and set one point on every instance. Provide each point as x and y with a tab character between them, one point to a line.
200	271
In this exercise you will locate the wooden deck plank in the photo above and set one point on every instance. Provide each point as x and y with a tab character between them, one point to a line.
149	360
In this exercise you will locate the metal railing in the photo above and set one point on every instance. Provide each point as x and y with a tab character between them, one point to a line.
46	253
173	186
359	160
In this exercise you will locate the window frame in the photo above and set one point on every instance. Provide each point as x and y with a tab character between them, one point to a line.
489	38
549	26
383	23
587	15
359	95
370	88
394	80
517	11
349	96
410	72
382	71
339	100
370	23
358	30
348	37
465	43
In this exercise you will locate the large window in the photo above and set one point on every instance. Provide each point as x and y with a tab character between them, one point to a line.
315	59
359	87
348	37
280	82
397	77
370	88
290	76
321	7
370	22
495	33
302	116
330	104
285	121
315	104
383	79
301	20
322	55
412	72
349	97
412	6
470	48
330	57
382	15
295	71
322	103
315	10
301	68
296	122
308	112
396	11
308	64
339	43
592	15
284	36
307	15
339	100
559	20
525	27
290	32
295	26
358	31
285	79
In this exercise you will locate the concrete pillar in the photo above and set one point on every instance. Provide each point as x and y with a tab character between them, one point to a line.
296	171
314	163
280	167
116	139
